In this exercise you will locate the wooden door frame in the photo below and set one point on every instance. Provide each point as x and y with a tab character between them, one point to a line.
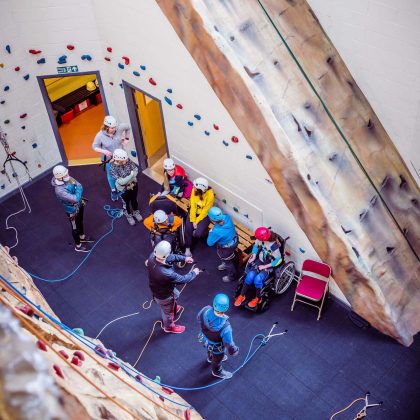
136	123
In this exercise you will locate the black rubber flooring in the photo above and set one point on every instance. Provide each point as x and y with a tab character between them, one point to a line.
310	373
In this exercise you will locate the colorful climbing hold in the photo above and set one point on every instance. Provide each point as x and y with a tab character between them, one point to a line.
8	49
23	127
235	209
17	68
168	100
126	60
190	123
197	117
58	371
234	139
224	200
157	379
269	180
3	186
1	65
187	414
113	366
249	157
3	102
133	153
161	398
121	65
167	390
41	345
136	73
225	143
70	47
152	82
79	331
138	377
86	57
107	58
34	145
79	354
143	67
215	126
111	83
179	106
246	215
62	59
63	354
101	351
26	77
6	88
109	49
32	51
26	309
169	90
207	133
23	115
302	250
41	61
76	361
121	85
6	121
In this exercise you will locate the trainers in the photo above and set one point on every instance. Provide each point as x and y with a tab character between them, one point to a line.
179	311
254	302
223	374
114	195
130	219
223	360
137	215
87	239
239	300
227	279
222	267
82	248
175	329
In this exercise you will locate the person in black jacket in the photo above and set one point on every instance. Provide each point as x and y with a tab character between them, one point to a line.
163	280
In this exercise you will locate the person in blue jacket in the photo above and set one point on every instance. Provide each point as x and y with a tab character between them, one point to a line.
216	335
69	193
223	234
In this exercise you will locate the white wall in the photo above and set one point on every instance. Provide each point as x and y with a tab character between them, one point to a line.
379	40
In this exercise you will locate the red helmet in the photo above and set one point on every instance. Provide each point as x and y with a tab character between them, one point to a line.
262	233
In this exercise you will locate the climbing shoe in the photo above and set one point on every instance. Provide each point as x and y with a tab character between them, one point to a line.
223	374
239	300
87	239
130	219
223	360
114	195
175	329
254	302
222	267
227	279
137	215
82	248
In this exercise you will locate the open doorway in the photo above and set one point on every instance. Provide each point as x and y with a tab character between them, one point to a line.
148	126
76	109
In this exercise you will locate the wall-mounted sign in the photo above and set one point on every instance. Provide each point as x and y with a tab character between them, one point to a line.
67	69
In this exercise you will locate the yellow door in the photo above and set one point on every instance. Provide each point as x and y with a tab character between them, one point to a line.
151	126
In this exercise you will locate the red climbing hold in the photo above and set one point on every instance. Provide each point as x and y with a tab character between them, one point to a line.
235	139
58	371
35	51
23	115
138	377
79	354
113	366
179	106
17	68
109	49
288	253
152	82
161	398
70	47
26	309
168	390
187	414
215	126
76	361
101	351
126	60
107	58
64	354
41	345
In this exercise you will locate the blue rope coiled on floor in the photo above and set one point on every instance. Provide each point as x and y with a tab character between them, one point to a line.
114	214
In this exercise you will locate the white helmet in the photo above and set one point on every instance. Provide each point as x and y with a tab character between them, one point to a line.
60	171
201	184
159	216
168	164
119	154
162	250
110	121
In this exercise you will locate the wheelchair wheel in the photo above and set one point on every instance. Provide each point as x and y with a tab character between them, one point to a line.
239	285
284	278
265	303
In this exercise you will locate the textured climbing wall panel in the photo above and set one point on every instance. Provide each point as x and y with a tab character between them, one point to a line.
247	64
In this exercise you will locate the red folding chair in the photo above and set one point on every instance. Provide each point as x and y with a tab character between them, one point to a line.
313	285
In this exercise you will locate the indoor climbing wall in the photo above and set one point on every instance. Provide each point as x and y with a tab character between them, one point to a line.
324	148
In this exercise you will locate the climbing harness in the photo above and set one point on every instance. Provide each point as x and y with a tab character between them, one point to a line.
363	412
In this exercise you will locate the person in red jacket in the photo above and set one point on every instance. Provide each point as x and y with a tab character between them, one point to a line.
175	180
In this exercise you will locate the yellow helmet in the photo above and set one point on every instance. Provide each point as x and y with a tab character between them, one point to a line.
90	86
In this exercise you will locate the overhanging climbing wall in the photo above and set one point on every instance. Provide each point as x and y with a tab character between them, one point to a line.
330	159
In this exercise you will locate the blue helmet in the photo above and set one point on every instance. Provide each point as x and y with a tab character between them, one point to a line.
215	214
221	302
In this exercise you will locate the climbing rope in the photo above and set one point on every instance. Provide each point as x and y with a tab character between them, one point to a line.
337	127
363	412
111	212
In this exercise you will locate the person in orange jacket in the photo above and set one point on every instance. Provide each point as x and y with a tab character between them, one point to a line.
162	227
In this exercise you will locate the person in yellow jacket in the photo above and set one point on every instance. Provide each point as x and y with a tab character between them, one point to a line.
197	222
162	227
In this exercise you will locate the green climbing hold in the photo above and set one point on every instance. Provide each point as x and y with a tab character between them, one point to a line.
157	379
235	209
79	331
224	201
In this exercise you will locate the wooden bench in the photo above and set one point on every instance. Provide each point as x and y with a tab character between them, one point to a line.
245	235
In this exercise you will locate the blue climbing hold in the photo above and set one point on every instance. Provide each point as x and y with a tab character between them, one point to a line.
34	146
23	127
41	61
8	49
121	65
26	77
136	73
86	57
168	100
121	85
3	186
2	102
133	153
6	88
302	250
190	123
246	215
169	90
206	133
197	117
62	59
225	143
249	157
143	67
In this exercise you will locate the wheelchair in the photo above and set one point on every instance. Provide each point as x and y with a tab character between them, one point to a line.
278	281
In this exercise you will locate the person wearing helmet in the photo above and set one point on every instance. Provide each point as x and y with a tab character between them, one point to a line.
124	172
197	222
175	180
216	335
162	226
223	234
69	192
166	202
163	280
110	137
269	248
